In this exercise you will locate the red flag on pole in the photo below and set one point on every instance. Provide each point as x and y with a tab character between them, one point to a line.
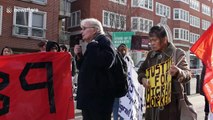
203	49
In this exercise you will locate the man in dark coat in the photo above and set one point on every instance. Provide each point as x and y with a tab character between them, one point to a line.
161	51
206	108
93	66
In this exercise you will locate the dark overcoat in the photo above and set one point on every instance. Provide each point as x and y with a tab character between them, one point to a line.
93	65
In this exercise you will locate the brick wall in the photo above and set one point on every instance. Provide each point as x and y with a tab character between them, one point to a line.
28	44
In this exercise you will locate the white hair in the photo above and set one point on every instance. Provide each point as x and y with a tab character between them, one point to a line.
94	23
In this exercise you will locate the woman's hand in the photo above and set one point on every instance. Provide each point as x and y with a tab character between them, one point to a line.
173	70
145	82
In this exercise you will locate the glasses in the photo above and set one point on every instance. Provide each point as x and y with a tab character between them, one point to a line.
84	28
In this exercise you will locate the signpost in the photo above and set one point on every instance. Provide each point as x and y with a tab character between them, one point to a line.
122	37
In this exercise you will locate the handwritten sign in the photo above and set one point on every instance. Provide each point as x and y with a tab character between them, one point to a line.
159	93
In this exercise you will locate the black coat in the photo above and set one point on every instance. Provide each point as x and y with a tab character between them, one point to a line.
93	65
202	79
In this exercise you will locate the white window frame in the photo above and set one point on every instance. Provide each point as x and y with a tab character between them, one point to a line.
194	21
165	8
183	34
193	37
77	23
180	11
206	10
195	4
137	23
36	2
1	16
205	24
119	2
29	26
141	25
184	1
142	5
114	25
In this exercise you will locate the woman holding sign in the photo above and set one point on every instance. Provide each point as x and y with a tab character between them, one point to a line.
163	74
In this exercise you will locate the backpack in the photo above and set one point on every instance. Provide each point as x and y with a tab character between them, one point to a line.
117	83
119	73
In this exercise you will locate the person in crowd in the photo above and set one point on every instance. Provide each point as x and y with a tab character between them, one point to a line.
93	68
123	50
6	51
42	46
52	46
206	107
161	51
63	48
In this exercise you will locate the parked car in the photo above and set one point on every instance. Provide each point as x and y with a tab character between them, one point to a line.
138	65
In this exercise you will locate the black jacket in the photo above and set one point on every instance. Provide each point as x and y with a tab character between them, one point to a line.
93	65
202	79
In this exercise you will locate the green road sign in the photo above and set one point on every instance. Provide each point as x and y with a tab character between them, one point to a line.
122	37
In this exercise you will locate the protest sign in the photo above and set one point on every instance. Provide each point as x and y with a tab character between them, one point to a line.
159	93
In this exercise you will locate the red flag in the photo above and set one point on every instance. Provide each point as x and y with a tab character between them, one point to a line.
203	49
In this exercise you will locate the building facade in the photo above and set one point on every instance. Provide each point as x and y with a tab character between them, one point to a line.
24	23
187	19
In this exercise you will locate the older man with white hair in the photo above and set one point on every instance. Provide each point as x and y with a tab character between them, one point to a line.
93	67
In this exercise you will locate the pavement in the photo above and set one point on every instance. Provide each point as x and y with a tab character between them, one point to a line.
198	103
195	98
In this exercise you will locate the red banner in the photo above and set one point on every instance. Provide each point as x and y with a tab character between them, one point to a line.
36	86
203	49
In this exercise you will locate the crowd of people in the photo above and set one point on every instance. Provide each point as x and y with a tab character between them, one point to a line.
99	56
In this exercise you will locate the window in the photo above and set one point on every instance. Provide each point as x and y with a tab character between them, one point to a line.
194	4
29	23
146	4
75	18
184	1
193	37
123	2
141	24
135	23
181	34
1	11
162	10
194	21
114	20
180	14
206	10
41	2
205	24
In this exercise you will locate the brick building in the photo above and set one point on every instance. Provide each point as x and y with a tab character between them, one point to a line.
187	19
23	23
